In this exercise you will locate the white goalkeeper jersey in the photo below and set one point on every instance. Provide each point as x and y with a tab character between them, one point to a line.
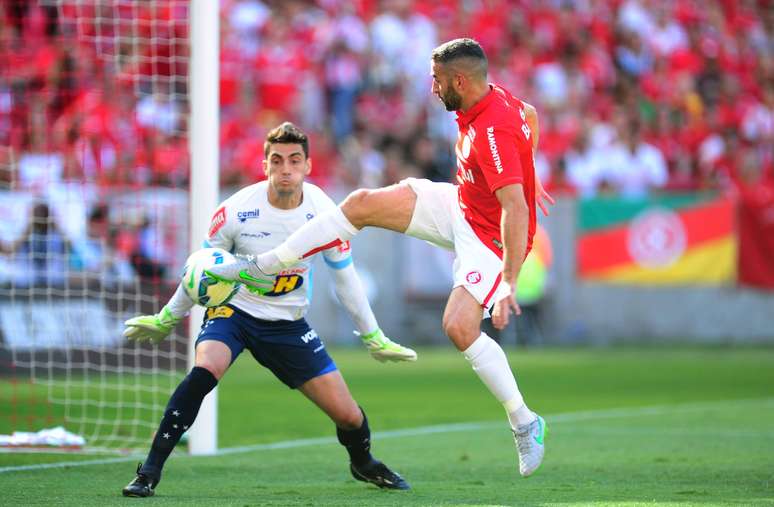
246	223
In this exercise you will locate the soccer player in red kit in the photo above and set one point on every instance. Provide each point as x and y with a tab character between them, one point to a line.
488	219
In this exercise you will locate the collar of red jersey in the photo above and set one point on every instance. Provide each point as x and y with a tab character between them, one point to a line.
468	116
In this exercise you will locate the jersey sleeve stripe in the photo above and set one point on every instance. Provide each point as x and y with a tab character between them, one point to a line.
338	264
333	243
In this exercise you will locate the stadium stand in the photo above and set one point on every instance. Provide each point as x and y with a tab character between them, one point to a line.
634	95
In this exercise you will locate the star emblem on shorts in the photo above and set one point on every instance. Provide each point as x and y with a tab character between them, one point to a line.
174	426
185	426
175	413
165	435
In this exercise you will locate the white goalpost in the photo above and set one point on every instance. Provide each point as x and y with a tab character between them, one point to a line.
108	176
203	139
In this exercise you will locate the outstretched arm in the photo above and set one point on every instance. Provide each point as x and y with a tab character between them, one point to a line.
154	328
350	292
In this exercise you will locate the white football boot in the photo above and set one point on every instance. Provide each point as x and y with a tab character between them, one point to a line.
530	445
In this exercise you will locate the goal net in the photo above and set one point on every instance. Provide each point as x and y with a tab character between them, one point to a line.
94	175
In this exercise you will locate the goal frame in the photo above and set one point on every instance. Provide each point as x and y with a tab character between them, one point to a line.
203	142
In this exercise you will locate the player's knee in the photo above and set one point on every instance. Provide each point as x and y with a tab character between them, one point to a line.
461	333
217	370
350	419
356	207
452	327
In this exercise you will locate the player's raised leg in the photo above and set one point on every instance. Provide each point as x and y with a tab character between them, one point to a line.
212	360
330	393
462	324
389	208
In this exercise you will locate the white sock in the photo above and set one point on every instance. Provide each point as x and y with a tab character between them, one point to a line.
490	364
320	233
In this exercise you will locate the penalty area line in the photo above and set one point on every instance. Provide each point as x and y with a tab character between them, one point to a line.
567	417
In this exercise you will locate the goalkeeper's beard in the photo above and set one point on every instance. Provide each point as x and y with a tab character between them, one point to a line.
289	194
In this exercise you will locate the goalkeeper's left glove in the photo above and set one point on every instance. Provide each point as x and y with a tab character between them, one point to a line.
383	349
151	328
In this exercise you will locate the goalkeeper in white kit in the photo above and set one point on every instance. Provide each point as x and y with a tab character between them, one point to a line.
270	322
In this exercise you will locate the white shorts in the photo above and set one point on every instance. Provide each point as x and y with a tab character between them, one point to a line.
439	220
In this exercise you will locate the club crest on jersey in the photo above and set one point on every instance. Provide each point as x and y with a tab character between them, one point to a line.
218	220
243	216
344	247
285	284
466	142
473	277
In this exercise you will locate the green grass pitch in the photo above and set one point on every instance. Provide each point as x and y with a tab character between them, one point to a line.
663	426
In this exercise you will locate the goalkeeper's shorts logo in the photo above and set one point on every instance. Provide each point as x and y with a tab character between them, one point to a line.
284	284
309	336
219	312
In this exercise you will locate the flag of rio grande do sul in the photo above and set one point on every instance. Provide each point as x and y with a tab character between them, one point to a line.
659	240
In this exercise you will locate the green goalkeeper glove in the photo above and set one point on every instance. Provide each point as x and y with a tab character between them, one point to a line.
383	349
151	328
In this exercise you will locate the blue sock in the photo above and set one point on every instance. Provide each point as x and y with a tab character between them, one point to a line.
178	417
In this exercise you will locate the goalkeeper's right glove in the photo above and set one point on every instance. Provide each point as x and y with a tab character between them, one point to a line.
151	328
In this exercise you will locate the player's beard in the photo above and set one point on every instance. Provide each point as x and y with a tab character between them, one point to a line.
451	99
287	191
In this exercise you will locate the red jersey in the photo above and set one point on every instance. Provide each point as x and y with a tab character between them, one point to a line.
494	149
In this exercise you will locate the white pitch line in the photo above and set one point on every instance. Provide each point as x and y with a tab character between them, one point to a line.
656	410
65	464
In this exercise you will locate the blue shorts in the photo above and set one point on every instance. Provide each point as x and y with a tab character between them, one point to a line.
289	348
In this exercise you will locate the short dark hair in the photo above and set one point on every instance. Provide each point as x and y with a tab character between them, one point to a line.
286	133
459	49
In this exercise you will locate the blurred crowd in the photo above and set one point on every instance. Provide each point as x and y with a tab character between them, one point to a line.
47	254
633	95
